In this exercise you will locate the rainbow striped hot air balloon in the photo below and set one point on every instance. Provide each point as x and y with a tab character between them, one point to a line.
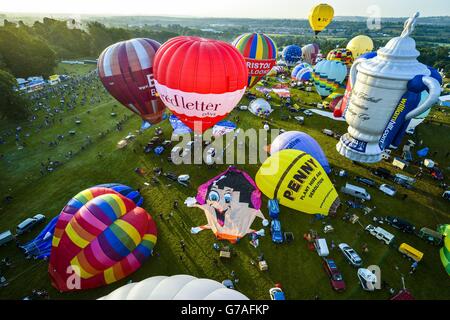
260	53
328	76
101	236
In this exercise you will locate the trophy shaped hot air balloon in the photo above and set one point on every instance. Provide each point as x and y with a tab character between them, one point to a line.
126	70
200	80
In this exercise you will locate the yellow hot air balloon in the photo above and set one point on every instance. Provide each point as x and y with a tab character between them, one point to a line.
320	17
359	45
298	181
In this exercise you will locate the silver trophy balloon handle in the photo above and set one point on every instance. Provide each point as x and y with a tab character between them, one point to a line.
434	89
409	25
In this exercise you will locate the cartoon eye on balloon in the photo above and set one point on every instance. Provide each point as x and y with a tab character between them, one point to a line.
126	70
200	80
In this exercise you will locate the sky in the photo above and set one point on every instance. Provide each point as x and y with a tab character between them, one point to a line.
290	9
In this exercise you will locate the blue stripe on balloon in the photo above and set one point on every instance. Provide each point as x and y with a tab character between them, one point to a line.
114	244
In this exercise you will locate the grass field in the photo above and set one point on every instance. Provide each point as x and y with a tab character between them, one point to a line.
298	269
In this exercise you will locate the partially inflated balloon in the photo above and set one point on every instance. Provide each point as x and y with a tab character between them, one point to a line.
100	237
126	71
298	181
359	45
200	80
292	54
328	76
310	52
320	17
302	72
300	141
260	53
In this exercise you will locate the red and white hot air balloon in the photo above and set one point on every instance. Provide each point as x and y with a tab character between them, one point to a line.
126	70
200	80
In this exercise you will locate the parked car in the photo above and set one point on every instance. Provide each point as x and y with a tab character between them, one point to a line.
382	173
277	294
436	174
431	236
274	208
387	189
321	247
400	224
6	237
366	181
228	284
355	191
275	231
404	181
29	223
367	279
380	234
308	112
350	255
410	252
328	132
300	119
336	279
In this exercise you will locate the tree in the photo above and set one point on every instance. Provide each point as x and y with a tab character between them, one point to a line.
13	105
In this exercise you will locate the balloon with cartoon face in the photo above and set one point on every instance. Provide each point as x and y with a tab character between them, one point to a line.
231	202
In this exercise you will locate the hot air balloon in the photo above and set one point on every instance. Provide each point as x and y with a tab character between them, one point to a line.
292	54
126	71
200	80
178	287
260	53
328	76
444	252
359	45
101	236
320	17
343	55
297	140
341	106
302	72
310	52
298	181
260	107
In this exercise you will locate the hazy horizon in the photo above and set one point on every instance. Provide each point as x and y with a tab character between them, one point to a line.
263	9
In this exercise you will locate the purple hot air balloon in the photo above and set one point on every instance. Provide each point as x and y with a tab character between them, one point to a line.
300	141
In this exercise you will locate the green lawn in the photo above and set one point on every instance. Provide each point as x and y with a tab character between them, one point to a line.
294	266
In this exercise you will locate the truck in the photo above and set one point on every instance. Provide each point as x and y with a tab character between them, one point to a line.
6	237
355	191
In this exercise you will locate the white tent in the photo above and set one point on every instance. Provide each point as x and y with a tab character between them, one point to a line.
178	287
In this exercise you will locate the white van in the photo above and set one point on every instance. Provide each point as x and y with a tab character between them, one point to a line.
399	163
321	247
355	191
380	234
